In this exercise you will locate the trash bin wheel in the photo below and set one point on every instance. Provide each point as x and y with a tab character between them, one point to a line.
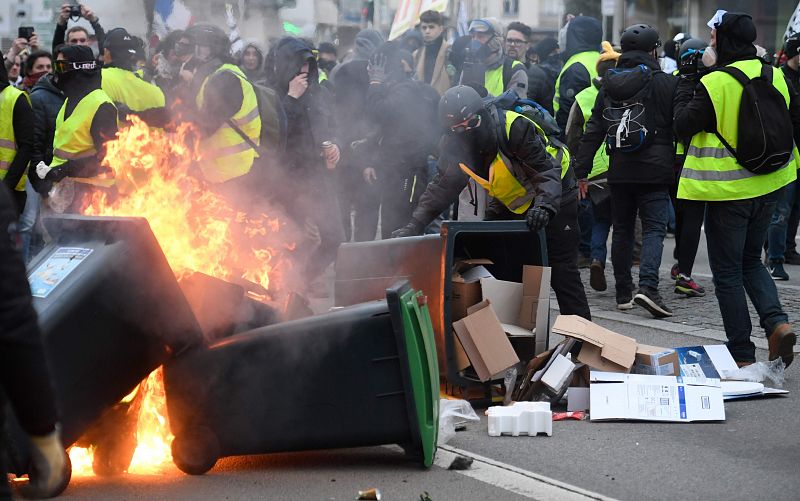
196	450
33	473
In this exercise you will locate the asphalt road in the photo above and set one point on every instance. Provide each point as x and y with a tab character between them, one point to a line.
754	453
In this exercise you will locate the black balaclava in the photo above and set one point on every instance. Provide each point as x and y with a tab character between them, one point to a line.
76	84
735	36
395	55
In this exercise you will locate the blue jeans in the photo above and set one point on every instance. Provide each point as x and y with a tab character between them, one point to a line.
735	232
600	230
652	204
27	220
776	234
585	221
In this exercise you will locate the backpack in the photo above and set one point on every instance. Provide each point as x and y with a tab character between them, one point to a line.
765	136
273	121
631	122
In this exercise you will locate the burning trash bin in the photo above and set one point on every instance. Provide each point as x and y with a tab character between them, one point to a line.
110	311
360	376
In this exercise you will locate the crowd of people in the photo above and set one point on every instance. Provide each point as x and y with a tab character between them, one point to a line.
570	134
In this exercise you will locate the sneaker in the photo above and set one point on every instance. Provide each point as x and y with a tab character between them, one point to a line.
792	257
584	262
776	270
624	300
597	276
650	300
685	285
781	343
674	272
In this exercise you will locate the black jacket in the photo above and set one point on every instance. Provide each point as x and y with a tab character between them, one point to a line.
524	146
24	375
405	113
792	76
694	111
652	164
540	89
351	84
46	101
583	34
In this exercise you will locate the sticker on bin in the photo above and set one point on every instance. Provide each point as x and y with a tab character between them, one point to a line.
521	418
55	269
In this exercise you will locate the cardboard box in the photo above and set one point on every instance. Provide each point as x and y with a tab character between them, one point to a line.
535	297
711	361
484	341
655	398
603	349
656	361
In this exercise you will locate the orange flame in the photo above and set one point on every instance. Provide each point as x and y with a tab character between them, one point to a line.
198	230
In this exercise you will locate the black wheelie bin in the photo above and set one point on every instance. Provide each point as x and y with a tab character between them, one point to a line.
359	376
111	312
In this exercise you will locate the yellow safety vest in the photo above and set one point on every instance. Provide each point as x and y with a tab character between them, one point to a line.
8	143
506	182
711	172
322	76
585	100
124	87
73	137
493	79
226	154
588	60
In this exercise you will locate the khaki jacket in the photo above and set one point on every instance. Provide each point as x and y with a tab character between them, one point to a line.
440	80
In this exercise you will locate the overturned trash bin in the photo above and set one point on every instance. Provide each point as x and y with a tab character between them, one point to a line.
110	311
360	376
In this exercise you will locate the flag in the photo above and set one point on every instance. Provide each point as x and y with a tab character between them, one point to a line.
170	15
407	14
463	19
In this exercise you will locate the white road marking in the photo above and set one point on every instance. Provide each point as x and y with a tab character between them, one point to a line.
513	479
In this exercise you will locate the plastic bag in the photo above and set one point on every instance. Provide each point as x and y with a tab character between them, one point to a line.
452	413
760	372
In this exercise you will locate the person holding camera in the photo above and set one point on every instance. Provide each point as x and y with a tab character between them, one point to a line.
27	41
77	35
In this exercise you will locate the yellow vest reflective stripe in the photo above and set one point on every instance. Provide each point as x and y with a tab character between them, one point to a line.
124	87
588	60
73	137
585	100
493	79
226	154
710	172
8	143
513	189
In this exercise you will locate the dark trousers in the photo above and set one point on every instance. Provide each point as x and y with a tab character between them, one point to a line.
362	200
651	202
794	221
689	216
735	232
586	221
399	197
563	236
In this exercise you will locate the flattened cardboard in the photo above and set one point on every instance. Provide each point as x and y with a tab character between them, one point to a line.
484	341
656	361
464	296
577	399
506	298
602	349
655	398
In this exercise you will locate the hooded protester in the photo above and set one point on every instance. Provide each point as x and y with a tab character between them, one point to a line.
411	40
251	62
740	202
580	51
525	181
129	92
404	111
486	64
548	59
327	58
225	109
311	153
16	137
351	84
640	178
76	165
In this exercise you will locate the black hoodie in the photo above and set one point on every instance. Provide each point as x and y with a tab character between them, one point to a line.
652	164
694	111
584	34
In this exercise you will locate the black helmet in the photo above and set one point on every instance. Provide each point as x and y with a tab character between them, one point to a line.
640	37
458	105
691	46
210	36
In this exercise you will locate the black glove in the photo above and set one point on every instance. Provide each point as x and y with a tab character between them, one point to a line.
690	63
56	174
376	69
412	229
50	470
537	218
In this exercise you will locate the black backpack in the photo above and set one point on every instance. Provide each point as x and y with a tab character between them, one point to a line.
631	121
765	127
273	121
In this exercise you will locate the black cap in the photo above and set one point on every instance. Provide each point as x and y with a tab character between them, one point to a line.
119	40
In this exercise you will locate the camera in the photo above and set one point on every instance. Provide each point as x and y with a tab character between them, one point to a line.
75	10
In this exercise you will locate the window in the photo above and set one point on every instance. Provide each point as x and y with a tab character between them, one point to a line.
510	7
